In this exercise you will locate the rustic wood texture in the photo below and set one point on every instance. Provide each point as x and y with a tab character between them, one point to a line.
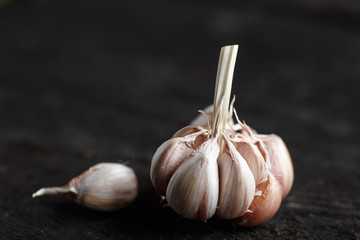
83	82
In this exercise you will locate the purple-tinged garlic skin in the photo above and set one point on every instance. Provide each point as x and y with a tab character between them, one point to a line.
264	206
281	164
276	155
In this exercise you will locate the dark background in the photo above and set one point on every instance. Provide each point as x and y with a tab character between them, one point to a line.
83	82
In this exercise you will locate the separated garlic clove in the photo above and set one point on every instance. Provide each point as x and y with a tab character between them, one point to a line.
172	153
281	164
194	188
237	183
105	187
264	206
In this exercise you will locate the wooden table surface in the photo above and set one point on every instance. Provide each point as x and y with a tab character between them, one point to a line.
83	82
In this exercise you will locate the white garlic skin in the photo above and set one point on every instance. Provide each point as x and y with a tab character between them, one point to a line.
172	153
193	190
237	184
104	187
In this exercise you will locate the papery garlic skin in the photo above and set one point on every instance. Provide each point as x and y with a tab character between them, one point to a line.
204	118
282	167
276	155
172	153
193	190
252	156
264	206
104	187
237	184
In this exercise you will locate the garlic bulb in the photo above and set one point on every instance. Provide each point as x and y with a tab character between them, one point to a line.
104	187
276	155
217	167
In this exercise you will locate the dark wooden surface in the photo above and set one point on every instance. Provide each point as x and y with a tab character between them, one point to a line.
83	82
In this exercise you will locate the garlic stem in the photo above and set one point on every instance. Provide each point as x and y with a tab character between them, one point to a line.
53	191
223	85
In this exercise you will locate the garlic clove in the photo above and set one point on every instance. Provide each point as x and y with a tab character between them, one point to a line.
276	155
171	154
253	157
202	134
282	167
105	187
264	206
194	188
237	183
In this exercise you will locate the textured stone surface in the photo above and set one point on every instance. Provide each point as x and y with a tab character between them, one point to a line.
82	82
